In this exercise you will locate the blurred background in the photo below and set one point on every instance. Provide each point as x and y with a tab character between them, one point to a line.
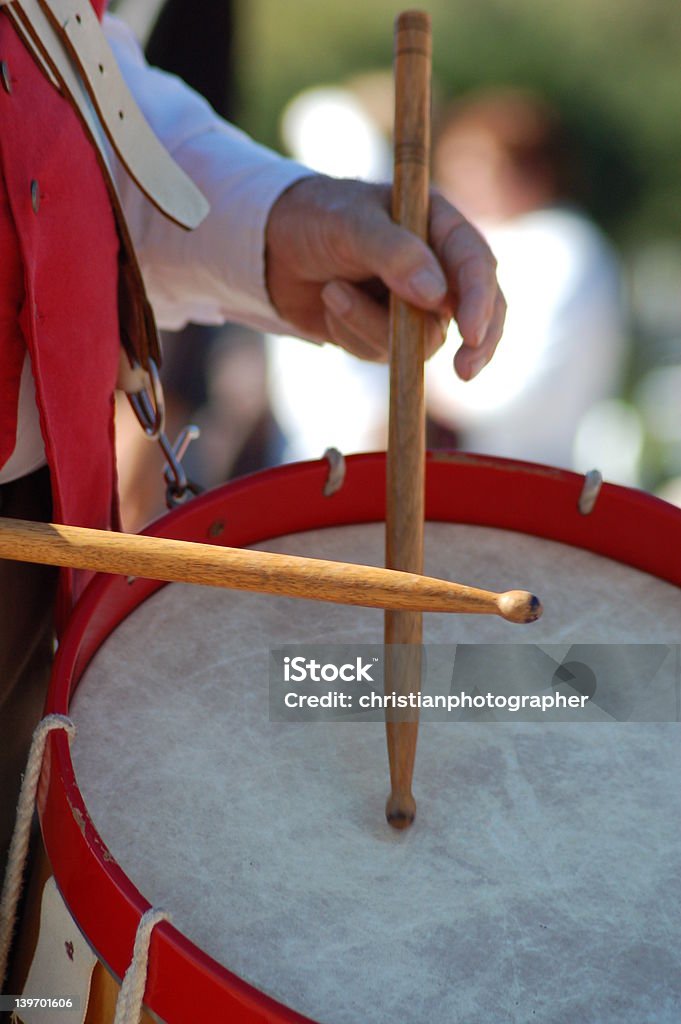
592	262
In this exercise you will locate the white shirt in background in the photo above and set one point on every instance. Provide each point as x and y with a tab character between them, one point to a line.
563	347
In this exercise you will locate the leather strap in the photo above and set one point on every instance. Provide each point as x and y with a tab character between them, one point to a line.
146	160
63	29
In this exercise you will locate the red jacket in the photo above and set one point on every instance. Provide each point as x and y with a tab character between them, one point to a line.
67	255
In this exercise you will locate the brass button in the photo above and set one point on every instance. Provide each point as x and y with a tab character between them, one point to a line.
35	195
5	75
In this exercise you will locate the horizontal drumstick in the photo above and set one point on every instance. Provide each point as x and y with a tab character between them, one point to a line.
157	558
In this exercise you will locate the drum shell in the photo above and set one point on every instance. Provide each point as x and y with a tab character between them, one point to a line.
185	984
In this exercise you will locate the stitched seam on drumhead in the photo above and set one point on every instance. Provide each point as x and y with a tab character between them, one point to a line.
129	1002
18	851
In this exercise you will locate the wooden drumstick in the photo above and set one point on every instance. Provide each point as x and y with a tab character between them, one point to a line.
406	434
158	558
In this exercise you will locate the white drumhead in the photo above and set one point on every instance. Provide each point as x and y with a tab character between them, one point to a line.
541	878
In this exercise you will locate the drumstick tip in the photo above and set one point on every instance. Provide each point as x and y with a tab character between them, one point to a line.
519	606
400	810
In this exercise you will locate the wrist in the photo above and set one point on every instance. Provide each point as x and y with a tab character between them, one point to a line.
280	231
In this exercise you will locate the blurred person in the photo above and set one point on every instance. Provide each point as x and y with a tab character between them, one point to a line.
505	157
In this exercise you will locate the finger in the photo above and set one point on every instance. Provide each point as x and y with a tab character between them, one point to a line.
339	333
367	321
400	259
469	361
470	268
355	322
356	318
436	332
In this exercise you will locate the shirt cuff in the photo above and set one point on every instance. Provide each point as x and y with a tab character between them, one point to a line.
216	272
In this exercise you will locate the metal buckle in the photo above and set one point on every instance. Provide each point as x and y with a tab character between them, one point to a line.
150	409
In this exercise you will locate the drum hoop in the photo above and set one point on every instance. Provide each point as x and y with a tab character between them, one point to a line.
626	525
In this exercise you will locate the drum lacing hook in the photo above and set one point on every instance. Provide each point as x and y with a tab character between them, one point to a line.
145	394
336	474
591	488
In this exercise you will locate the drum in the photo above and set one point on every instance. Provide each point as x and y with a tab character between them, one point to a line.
541	878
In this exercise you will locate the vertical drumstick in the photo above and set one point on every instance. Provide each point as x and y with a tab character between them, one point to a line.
406	438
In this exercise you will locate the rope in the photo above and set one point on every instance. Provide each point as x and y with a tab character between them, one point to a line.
18	851
129	1002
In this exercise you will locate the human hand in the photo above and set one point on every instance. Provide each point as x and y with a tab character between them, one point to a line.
332	253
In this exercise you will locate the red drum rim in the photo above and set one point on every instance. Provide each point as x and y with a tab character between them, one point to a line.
625	525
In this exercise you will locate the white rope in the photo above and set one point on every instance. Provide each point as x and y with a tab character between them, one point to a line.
129	1002
18	851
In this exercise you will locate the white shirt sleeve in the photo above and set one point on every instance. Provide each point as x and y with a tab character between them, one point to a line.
216	272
